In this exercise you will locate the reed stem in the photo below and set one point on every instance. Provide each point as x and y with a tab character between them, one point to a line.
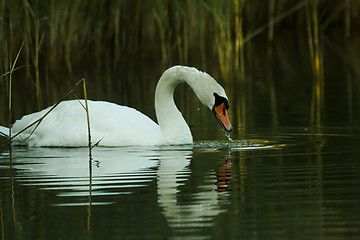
316	62
271	20
12	67
36	63
347	19
87	117
10	77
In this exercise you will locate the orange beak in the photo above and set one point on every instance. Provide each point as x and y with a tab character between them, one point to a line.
222	117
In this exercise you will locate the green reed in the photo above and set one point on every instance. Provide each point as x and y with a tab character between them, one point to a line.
12	67
316	62
347	19
86	108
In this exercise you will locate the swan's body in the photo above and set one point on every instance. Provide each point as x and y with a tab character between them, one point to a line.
66	125
122	126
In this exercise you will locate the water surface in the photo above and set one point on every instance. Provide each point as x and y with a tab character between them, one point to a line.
288	184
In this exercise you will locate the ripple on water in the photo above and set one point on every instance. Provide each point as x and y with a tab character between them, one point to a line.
119	170
66	173
240	145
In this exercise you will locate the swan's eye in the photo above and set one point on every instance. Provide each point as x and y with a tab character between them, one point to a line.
219	100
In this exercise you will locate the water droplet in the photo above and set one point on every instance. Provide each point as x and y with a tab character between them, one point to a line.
227	134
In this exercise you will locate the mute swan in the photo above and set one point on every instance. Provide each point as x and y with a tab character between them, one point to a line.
123	126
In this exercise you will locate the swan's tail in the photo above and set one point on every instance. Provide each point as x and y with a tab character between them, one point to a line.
4	131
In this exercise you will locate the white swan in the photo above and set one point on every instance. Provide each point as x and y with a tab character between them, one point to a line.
123	126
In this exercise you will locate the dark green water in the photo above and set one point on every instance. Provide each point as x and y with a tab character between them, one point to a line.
287	183
292	171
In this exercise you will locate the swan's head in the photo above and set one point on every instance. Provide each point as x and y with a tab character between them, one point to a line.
213	95
209	92
220	109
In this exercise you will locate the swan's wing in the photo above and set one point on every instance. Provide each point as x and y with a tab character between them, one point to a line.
123	126
66	125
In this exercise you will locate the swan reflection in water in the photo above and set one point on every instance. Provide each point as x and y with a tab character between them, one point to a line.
120	171
223	175
203	204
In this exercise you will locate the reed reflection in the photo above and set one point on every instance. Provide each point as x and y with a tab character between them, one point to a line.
316	57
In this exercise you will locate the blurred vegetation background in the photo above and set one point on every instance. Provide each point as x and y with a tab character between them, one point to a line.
112	42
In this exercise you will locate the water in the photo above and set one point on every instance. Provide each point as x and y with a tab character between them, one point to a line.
228	135
290	169
291	183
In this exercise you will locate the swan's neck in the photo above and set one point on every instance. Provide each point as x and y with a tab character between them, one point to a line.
173	126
